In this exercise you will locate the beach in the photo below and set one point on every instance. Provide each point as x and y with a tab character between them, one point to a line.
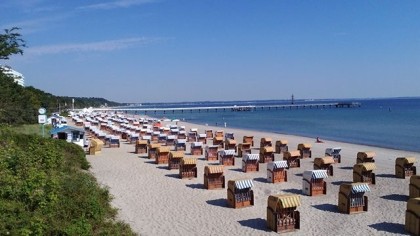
155	201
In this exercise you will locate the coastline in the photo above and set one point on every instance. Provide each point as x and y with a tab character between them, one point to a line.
153	200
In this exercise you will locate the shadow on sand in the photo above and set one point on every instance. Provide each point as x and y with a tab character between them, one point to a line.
385	175
346	167
327	207
221	202
340	182
293	190
195	186
257	223
261	180
396	197
390	228
176	176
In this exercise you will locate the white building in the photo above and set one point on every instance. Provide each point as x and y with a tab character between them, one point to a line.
18	77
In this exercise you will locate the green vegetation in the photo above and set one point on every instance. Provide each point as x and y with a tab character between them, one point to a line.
44	186
44	190
33	129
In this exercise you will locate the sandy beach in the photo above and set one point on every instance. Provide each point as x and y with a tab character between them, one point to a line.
154	201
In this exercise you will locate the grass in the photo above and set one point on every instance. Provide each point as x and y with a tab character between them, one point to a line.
33	129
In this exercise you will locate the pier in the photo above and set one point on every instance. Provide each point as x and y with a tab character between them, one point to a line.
235	108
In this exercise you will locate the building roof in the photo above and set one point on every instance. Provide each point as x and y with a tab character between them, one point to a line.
66	129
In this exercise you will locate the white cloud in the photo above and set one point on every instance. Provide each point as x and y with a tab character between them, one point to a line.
109	45
116	4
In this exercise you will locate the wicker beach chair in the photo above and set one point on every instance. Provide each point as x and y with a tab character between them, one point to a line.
214	177
282	215
276	171
313	183
239	193
351	198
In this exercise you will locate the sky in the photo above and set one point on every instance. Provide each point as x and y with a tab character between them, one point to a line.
211	50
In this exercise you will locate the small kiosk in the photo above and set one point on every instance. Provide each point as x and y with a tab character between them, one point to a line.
324	163
334	153
152	150
363	157
211	152
276	172
282	215
243	149
239	193
281	146
180	144
292	158
218	141
404	167
214	177
248	139
250	163
141	146
414	186
230	144
266	154
351	198
175	159
412	216
227	157
266	142
197	148
162	155
305	150
313	183
363	172
188	168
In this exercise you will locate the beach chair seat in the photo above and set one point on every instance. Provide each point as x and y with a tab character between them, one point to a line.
292	158
162	155
230	144
211	152
313	183
218	141
324	163
414	186
214	177
404	167
305	150
239	193
282	215
276	171
363	172
363	157
266	142
243	149
209	133
266	154
248	139
141	146
175	158
152	150
351	198
335	153
226	157
250	163
202	138
188	168
412	216
197	148
281	146
180	144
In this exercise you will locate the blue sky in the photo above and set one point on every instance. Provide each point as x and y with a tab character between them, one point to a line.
195	50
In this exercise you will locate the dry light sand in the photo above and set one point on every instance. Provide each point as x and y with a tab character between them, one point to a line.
154	201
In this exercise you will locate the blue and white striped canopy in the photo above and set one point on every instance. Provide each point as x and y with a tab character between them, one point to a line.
228	152
251	156
277	165
244	183
360	188
315	174
196	144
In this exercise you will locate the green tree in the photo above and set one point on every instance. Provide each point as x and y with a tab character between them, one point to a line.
11	43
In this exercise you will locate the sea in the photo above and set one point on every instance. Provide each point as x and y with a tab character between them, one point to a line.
383	122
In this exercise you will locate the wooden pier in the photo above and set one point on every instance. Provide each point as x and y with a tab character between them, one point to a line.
244	108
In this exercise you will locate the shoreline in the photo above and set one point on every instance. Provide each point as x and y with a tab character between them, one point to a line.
154	201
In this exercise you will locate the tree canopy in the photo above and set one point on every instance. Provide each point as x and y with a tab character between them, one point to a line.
11	43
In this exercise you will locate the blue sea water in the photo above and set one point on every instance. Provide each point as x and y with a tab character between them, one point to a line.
391	123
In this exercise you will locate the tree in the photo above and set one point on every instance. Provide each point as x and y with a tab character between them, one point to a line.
11	43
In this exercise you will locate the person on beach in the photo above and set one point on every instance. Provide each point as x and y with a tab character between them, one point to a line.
318	140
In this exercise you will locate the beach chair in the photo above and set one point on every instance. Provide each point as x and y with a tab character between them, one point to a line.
351	198
214	177
114	141
239	193
182	134
170	140
404	167
250	163
141	146
248	139
155	136
197	148
162	138
202	138
218	141
209	133
211	152
324	163
229	135
192	136
230	144
226	157
412	216
175	159
335	153
156	127
133	137
180	144
162	155
266	142
174	131
414	186
276	171
363	157
313	183
219	133
152	150
243	149
188	168
95	146
266	154
166	131
282	215
363	172
281	146
305	150
292	158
